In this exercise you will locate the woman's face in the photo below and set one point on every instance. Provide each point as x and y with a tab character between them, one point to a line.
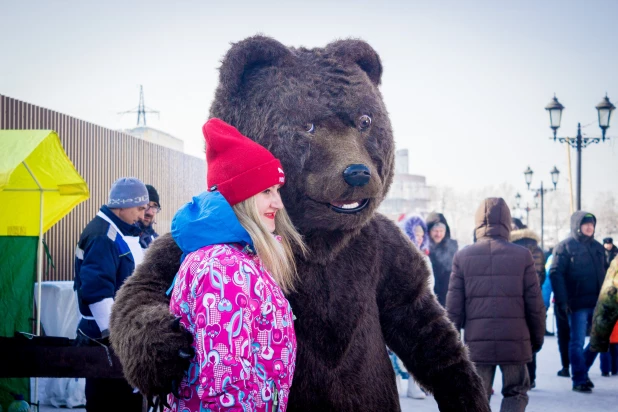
419	234
268	204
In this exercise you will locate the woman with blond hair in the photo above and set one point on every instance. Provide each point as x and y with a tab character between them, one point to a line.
237	243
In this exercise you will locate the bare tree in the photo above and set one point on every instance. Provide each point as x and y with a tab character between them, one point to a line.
605	208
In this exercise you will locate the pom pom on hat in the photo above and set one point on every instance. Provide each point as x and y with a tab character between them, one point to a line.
238	167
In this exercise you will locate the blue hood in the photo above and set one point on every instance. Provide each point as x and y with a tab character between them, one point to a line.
207	220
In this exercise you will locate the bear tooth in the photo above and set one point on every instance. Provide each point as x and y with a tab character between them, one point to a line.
350	206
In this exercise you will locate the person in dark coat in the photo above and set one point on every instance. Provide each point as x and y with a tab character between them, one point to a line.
494	295
562	323
577	273
441	251
522	236
146	224
611	251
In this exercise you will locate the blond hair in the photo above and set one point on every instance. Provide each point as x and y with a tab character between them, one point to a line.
277	257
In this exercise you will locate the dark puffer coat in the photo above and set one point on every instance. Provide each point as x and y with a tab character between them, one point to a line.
494	294
441	256
528	239
610	255
578	268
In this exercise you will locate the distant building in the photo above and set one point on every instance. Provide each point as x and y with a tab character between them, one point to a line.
157	137
408	193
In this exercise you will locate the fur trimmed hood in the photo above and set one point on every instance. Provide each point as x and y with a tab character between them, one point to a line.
408	226
524	234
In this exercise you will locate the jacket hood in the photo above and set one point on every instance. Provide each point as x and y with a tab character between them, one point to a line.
207	220
411	223
435	217
524	234
493	219
576	223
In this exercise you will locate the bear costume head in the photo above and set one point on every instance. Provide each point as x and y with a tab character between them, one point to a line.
363	286
320	112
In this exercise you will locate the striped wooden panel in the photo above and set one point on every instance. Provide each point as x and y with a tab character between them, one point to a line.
101	156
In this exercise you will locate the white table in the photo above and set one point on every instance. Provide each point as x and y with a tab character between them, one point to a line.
59	317
59	312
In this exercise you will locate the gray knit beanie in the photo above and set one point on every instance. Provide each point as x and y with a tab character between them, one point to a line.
127	192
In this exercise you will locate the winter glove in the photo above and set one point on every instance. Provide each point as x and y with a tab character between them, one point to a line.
536	348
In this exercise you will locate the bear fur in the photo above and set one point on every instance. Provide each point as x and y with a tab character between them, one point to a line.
363	285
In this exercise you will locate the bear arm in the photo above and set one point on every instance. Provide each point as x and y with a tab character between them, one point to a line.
606	312
416	328
143	332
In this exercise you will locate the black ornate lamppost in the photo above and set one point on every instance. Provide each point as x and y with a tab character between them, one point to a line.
540	192
527	209
604	109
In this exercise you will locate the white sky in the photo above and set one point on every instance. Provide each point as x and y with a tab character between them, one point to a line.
465	83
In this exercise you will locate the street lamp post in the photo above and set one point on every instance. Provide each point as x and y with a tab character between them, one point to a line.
527	208
604	109
540	192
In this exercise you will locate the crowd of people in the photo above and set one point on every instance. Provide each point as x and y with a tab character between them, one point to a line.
497	290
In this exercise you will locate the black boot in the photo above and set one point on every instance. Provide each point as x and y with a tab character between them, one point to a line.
582	388
564	372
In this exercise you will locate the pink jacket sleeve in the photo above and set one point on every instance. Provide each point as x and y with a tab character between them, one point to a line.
222	328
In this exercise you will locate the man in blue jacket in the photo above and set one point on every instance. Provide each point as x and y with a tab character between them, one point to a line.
577	273
107	253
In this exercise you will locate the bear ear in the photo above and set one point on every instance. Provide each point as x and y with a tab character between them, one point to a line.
246	56
360	53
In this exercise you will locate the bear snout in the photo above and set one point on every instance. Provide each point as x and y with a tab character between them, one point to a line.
357	175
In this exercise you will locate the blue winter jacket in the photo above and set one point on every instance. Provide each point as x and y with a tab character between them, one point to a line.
103	261
546	288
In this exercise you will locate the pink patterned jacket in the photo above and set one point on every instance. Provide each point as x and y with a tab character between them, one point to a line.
243	328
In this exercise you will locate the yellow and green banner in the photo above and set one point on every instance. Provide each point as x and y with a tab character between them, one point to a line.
38	186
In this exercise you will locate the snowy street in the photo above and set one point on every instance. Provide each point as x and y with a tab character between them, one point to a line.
552	393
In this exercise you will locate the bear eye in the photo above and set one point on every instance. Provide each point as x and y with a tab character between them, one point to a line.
309	128
364	122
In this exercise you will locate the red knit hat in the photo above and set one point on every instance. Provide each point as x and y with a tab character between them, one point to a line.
237	166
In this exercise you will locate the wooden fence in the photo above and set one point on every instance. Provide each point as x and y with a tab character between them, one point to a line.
101	156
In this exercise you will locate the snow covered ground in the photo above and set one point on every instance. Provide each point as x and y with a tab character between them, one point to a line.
552	393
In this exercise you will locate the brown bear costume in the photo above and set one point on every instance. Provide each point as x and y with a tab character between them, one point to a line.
363	286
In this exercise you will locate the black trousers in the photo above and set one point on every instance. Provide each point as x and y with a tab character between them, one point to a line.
532	368
564	336
103	395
